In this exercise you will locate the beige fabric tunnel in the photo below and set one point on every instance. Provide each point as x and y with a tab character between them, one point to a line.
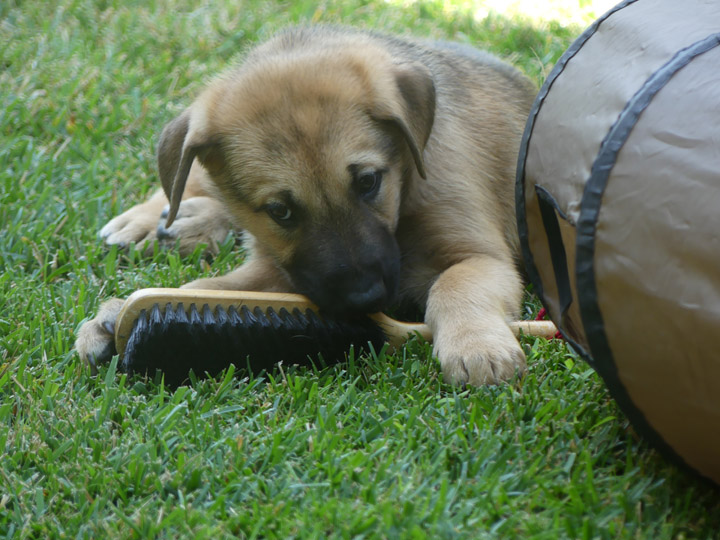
618	199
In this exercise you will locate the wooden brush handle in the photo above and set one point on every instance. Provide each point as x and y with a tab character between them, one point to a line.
397	332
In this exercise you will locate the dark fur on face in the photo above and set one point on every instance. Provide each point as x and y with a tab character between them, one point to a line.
350	264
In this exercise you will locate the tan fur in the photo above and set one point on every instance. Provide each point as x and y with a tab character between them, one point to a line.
291	120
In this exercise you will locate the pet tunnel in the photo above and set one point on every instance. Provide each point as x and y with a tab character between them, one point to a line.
618	200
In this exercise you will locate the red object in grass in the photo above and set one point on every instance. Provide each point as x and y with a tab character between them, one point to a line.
541	316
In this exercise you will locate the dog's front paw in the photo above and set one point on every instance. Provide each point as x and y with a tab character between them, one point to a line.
96	338
135	225
479	356
200	220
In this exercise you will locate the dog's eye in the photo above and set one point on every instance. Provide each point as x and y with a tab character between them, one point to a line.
367	184
280	212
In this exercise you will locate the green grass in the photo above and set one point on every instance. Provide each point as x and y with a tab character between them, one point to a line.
377	448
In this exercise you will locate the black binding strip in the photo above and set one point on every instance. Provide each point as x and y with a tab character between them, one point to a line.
587	226
549	212
530	267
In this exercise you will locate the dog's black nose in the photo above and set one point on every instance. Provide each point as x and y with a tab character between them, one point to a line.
369	299
345	289
356	288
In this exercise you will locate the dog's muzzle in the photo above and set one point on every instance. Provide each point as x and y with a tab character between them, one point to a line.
363	289
345	278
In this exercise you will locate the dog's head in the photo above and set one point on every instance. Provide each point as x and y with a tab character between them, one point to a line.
309	151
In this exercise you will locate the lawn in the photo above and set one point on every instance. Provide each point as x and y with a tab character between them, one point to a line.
378	447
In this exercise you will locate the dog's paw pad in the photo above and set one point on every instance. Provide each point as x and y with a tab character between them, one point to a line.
164	233
199	220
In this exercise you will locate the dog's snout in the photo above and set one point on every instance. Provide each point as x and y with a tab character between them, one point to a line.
357	288
346	289
348	271
367	299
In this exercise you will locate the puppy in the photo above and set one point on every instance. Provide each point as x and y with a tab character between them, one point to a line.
365	170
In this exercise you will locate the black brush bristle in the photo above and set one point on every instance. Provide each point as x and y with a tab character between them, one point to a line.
209	340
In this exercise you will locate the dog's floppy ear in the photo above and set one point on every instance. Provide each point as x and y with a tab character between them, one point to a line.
414	112
181	142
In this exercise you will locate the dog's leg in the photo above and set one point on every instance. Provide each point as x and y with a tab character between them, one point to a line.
468	310
200	219
256	274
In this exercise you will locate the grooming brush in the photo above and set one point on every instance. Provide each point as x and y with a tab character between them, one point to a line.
179	330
